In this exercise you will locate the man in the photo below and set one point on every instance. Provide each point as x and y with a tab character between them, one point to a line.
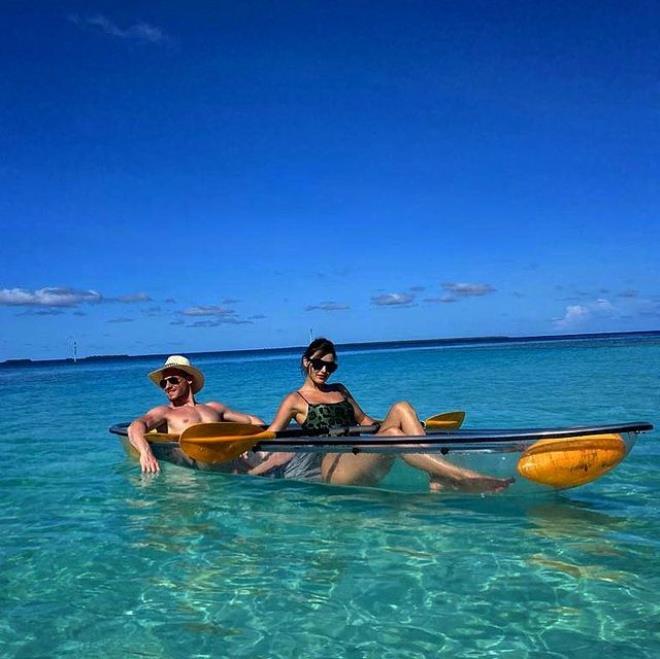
180	381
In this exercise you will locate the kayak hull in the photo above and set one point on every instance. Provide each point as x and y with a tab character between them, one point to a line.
540	460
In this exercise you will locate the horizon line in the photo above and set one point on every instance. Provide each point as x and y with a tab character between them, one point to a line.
369	345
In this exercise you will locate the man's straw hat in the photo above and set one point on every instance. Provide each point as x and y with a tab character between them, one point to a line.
180	364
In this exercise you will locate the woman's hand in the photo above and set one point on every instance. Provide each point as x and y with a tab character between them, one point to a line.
273	461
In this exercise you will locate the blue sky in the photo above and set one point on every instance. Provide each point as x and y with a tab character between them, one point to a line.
225	175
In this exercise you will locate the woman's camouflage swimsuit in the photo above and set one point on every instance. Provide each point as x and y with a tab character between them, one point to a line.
321	418
326	416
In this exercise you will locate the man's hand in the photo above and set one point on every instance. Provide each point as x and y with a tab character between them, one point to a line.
136	436
148	463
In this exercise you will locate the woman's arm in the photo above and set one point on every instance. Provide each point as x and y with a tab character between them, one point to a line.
361	416
286	411
288	408
271	462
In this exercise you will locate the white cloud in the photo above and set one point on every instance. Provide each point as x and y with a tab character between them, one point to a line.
138	31
208	310
578	314
575	314
327	306
46	297
216	322
393	299
462	289
57	296
214	316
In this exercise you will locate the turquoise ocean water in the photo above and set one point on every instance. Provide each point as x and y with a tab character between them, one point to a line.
97	560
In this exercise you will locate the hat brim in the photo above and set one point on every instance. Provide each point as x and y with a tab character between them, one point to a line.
197	375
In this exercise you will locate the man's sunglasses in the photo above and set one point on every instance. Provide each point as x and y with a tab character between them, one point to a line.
172	379
318	364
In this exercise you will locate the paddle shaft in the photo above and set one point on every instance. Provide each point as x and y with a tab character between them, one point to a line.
225	441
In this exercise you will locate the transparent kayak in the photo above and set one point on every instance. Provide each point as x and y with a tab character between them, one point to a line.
539	459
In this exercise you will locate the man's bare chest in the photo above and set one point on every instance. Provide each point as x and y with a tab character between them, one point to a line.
180	419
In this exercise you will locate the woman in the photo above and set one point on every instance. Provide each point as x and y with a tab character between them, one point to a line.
318	407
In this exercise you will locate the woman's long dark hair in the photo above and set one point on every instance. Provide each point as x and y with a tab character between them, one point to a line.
321	346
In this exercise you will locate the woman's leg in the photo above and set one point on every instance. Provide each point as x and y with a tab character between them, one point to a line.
360	469
402	420
402	416
371	468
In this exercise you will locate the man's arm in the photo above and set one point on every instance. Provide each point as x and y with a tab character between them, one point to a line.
227	414
136	435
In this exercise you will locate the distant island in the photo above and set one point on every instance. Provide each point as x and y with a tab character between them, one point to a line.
373	345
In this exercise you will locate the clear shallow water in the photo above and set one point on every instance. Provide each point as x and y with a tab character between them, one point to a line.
99	560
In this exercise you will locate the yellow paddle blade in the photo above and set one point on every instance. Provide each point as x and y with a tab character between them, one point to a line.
155	437
569	462
445	421
220	429
214	443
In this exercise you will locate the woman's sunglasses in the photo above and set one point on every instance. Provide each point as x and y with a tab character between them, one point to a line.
172	379
318	364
